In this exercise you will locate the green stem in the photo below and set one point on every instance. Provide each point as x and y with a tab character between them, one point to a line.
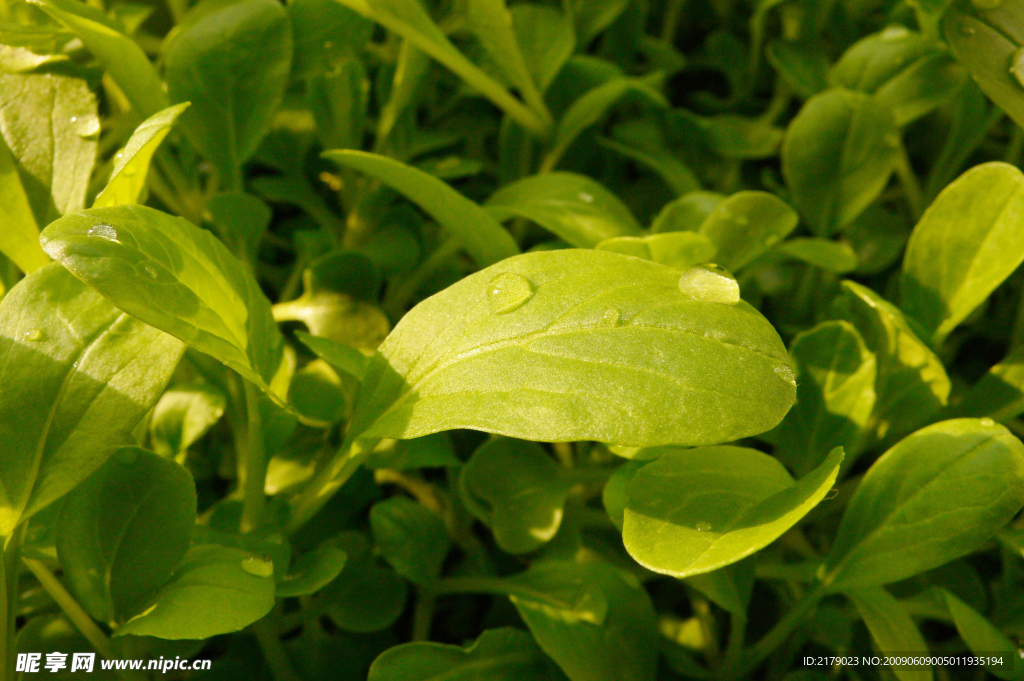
908	180
254	499
737	636
760	651
670	20
280	665
74	612
9	563
423	615
329	480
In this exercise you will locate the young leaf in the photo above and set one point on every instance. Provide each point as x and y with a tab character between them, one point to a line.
694	511
832	256
122	57
183	415
892	630
745	225
675	249
999	394
77	376
982	637
546	40
835	395
176	277
837	157
312	571
687	213
122	531
498	655
411	538
365	597
987	41
131	166
965	245
935	496
240	220
342	357
232	61
911	384
515	488
575	208
619	646
19	240
50	125
579	345
485	239
215	590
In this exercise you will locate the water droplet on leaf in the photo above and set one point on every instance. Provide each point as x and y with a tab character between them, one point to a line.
987	422
710	283
586	198
894	33
149	270
85	127
508	292
103	231
611	317
33	335
703	526
128	170
786	373
261	567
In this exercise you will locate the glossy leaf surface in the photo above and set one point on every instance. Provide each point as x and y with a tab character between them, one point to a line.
746	224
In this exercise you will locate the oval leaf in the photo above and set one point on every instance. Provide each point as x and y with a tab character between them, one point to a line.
694	511
935	496
966	243
578	345
892	629
745	225
176	277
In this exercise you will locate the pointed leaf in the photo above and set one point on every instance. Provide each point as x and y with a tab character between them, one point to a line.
19	239
745	225
892	629
411	538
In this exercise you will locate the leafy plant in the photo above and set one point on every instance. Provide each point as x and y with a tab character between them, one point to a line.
594	340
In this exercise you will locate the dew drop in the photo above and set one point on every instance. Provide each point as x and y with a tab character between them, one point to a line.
987	422
120	154
785	372
611	317
149	270
893	33
85	127
710	283
586	198
103	231
261	567
703	526
508	292
33	335
128	170
831	494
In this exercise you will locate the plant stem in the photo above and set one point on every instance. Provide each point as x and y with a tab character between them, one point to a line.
329	480
254	500
423	615
908	180
760	651
737	636
266	633
9	564
670	20
74	612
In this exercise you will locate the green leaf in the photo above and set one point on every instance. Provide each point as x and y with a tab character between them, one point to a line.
122	531
616	491
334	315
687	213
176	277
982	637
312	571
546	40
232	61
429	451
697	510
492	24
409	19
745	225
986	39
485	239
675	249
837	157
833	256
50	125
498	655
803	69
676	174
835	395
935	496
575	208
579	345
19	240
999	394
324	31
620	646
215	590
240	220
122	57
77	377
411	538
964	246
892	630
364	597
591	108
183	415
729	587
911	384
131	165
342	357
515	488
734	136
